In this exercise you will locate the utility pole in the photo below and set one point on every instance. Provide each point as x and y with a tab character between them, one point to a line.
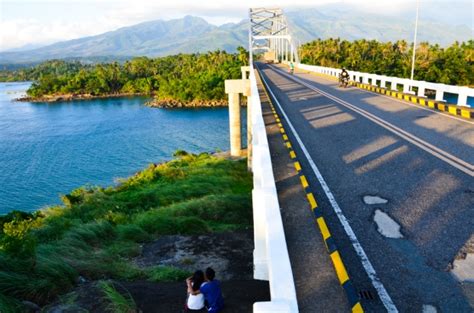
414	40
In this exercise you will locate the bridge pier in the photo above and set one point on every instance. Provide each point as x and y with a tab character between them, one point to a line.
234	88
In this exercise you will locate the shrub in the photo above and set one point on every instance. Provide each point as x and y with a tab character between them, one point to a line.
132	232
167	273
191	226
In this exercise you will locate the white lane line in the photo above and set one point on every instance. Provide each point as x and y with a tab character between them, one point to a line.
437	152
369	269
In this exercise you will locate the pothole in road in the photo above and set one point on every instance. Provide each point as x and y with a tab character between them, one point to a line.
386	226
463	268
374	200
427	308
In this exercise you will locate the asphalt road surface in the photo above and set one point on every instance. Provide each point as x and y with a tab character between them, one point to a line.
353	143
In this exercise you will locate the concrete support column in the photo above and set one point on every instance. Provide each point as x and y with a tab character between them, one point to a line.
421	91
462	98
234	88
234	124
439	95
394	84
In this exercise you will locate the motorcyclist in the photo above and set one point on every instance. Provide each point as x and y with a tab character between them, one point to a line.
292	68
344	77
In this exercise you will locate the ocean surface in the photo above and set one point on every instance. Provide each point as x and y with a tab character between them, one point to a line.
50	149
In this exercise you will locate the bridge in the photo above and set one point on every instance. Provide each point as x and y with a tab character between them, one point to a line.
363	197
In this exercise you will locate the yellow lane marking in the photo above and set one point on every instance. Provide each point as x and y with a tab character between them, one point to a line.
323	227
282	130
292	155
280	125
288	144
285	137
304	182
297	166
339	266
312	201
357	308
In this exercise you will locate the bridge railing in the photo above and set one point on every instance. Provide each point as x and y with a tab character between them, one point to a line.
271	259
382	81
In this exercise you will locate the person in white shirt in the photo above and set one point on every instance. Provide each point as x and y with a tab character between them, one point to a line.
195	300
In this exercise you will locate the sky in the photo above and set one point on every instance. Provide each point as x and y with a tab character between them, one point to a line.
33	23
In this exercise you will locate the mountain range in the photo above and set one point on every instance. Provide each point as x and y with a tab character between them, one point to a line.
194	34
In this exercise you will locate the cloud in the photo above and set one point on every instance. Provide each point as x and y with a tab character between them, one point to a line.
45	21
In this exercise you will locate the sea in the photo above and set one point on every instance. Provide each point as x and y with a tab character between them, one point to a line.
49	149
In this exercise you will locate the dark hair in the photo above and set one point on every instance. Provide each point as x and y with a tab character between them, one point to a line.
210	274
198	279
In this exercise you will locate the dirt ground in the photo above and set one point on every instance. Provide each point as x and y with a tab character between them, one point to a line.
230	254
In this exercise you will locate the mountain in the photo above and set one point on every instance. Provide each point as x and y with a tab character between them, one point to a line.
194	34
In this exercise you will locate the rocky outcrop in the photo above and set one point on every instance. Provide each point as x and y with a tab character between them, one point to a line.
172	103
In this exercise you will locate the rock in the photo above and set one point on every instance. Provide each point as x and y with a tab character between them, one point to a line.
31	307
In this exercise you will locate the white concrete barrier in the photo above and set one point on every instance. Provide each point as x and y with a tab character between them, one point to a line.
372	79
271	259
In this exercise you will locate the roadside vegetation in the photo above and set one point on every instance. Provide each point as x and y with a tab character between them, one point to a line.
453	65
98	231
182	77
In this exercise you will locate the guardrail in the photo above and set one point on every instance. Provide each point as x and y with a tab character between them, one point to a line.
271	259
381	81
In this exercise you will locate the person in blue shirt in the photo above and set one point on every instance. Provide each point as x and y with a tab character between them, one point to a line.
211	289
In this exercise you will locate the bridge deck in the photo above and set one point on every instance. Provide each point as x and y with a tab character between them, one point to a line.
317	287
367	144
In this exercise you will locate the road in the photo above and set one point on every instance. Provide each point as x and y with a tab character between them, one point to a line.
352	143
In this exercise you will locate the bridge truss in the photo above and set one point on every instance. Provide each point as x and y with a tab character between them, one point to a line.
269	32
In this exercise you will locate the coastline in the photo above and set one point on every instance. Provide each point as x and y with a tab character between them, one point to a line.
173	103
71	97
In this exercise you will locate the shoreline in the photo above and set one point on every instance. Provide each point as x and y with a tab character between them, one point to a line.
72	97
173	103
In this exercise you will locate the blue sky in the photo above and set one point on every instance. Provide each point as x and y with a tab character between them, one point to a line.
39	22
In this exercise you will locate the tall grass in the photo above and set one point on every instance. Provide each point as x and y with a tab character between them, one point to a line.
97	231
117	302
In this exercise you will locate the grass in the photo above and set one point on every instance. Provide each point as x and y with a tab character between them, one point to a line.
117	302
97	231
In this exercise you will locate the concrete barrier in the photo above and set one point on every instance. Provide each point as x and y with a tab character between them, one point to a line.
395	82
271	259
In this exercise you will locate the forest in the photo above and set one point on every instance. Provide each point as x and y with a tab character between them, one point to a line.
453	65
183	77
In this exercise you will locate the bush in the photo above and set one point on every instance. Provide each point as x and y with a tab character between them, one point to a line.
191	226
167	273
132	232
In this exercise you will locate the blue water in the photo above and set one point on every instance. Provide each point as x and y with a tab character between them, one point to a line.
49	149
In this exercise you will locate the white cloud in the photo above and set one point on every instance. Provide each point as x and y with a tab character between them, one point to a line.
30	26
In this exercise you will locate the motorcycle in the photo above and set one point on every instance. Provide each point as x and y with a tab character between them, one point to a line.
343	81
